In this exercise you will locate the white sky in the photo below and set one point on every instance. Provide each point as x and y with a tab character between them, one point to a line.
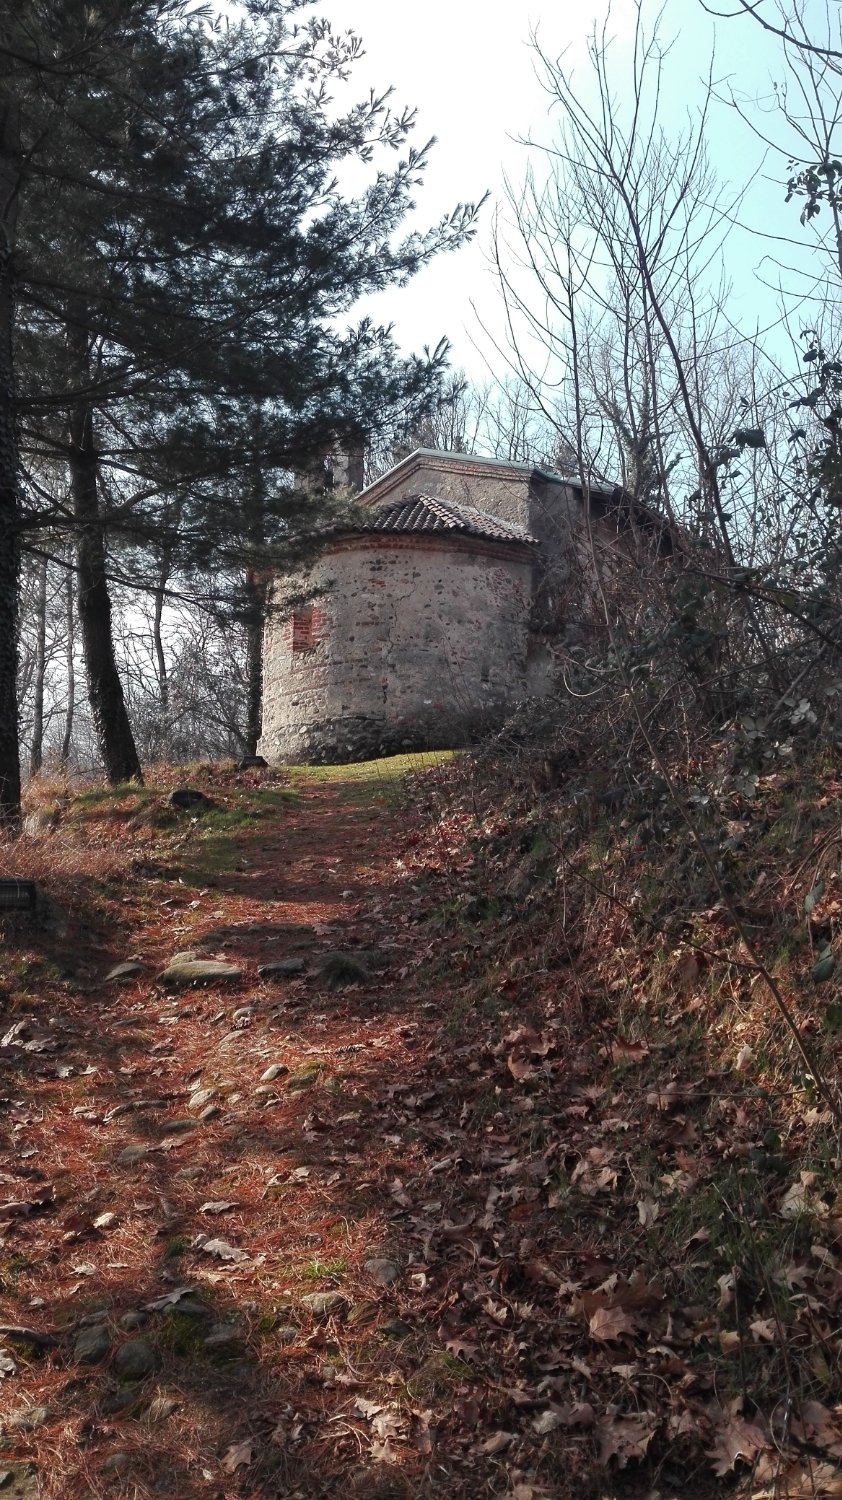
468	68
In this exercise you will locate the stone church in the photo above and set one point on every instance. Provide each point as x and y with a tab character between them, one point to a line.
452	600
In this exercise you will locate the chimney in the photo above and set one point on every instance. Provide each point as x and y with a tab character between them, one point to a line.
347	466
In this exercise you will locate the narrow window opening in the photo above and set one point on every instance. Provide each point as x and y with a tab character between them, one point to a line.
304	628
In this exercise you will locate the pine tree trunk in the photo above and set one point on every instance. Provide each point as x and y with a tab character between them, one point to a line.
70	669
105	691
255	597
36	753
9	492
254	516
157	634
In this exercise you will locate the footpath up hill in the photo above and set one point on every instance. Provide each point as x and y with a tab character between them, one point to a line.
386	1135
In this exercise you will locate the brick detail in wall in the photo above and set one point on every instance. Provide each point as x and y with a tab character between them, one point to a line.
305	627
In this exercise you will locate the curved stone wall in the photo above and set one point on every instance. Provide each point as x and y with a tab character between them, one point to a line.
410	641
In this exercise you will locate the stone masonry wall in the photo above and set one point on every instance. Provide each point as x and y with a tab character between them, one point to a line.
552	513
416	641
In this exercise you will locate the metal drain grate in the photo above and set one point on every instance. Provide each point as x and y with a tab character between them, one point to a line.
17	895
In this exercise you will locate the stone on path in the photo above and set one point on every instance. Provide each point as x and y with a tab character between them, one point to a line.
18	1481
282	968
133	1320
188	799
119	1398
128	970
177	1127
117	1463
182	971
275	1070
134	1360
322	1304
92	1345
160	1407
342	968
382	1270
201	1098
130	1154
26	1419
225	1338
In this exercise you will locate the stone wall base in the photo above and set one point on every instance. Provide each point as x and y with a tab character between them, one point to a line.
360	737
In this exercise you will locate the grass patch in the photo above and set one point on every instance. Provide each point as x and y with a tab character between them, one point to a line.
316	1270
389	768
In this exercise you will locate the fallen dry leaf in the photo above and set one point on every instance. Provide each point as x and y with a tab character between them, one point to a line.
220	1249
625	1438
610	1323
237	1455
736	1441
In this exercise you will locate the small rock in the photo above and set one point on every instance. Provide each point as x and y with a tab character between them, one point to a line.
395	1328
177	1127
243	1016
130	1154
19	1482
210	1112
116	1463
182	972
160	1407
128	970
282	968
92	1345
134	1360
119	1398
305	1076
382	1270
275	1071
201	1098
191	1307
27	1419
133	1320
286	1334
187	798
224	1338
342	968
322	1304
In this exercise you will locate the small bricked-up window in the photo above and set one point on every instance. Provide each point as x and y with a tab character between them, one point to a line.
304	623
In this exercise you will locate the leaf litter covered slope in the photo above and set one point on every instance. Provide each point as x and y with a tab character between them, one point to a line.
445	1206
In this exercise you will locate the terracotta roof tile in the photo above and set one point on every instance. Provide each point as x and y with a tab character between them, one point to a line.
426	513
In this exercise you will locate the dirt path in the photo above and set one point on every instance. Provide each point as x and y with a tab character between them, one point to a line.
363	1228
148	1157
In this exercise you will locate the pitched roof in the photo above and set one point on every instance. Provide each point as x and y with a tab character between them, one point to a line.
438	458
429	513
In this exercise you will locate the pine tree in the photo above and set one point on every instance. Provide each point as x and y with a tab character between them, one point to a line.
185	254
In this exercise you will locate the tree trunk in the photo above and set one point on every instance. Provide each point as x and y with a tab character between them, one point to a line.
36	753
254	514
70	667
105	691
9	491
157	635
255	604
